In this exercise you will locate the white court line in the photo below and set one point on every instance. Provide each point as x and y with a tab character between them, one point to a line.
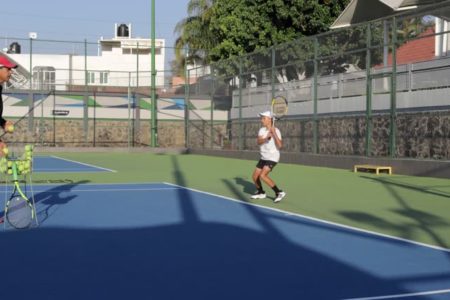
250	204
106	183
89	165
63	170
105	190
175	187
403	295
319	220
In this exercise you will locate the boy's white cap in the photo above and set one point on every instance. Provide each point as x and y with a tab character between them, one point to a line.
266	113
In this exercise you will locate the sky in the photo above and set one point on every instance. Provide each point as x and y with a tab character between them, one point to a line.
88	19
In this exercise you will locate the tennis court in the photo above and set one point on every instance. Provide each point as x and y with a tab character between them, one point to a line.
58	164
157	235
157	230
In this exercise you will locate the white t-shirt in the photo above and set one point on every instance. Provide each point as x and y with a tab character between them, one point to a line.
269	150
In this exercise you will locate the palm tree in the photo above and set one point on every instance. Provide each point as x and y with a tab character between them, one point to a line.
194	38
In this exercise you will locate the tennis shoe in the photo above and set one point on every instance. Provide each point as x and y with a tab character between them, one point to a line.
280	196
258	195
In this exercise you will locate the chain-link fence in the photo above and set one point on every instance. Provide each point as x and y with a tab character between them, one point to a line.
68	93
375	89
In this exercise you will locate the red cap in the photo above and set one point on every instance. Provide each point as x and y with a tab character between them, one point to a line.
5	62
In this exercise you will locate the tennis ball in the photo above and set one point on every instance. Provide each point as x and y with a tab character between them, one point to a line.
28	147
9	172
10	163
5	151
10	128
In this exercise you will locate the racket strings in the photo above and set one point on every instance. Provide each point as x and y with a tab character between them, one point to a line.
279	107
19	212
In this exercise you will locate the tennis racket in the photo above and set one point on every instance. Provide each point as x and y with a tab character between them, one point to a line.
19	211
279	108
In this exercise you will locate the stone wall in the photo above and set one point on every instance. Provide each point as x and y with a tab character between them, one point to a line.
418	135
101	133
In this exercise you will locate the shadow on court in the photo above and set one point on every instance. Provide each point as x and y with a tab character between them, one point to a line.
48	201
51	198
248	187
186	261
191	259
420	220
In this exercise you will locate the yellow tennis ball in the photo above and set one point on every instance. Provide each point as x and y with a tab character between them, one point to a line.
28	148
9	171
5	151
10	128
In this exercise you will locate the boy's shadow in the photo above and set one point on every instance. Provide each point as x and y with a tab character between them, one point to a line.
248	186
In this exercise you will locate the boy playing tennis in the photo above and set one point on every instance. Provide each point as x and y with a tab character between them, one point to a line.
269	141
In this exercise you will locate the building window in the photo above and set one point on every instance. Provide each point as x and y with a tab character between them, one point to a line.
104	77
101	76
91	78
44	78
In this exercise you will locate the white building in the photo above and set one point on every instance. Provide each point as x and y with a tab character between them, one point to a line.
121	61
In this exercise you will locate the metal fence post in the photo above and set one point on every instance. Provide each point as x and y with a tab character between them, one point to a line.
129	110
368	143
31	95
137	64
86	96
315	98
212	114
154	106
186	106
393	119
272	78
240	129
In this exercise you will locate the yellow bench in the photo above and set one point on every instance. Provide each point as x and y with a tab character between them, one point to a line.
376	168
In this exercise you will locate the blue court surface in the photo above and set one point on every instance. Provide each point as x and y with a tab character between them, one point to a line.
56	164
162	241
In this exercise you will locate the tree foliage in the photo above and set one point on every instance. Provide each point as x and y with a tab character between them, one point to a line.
220	29
246	26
